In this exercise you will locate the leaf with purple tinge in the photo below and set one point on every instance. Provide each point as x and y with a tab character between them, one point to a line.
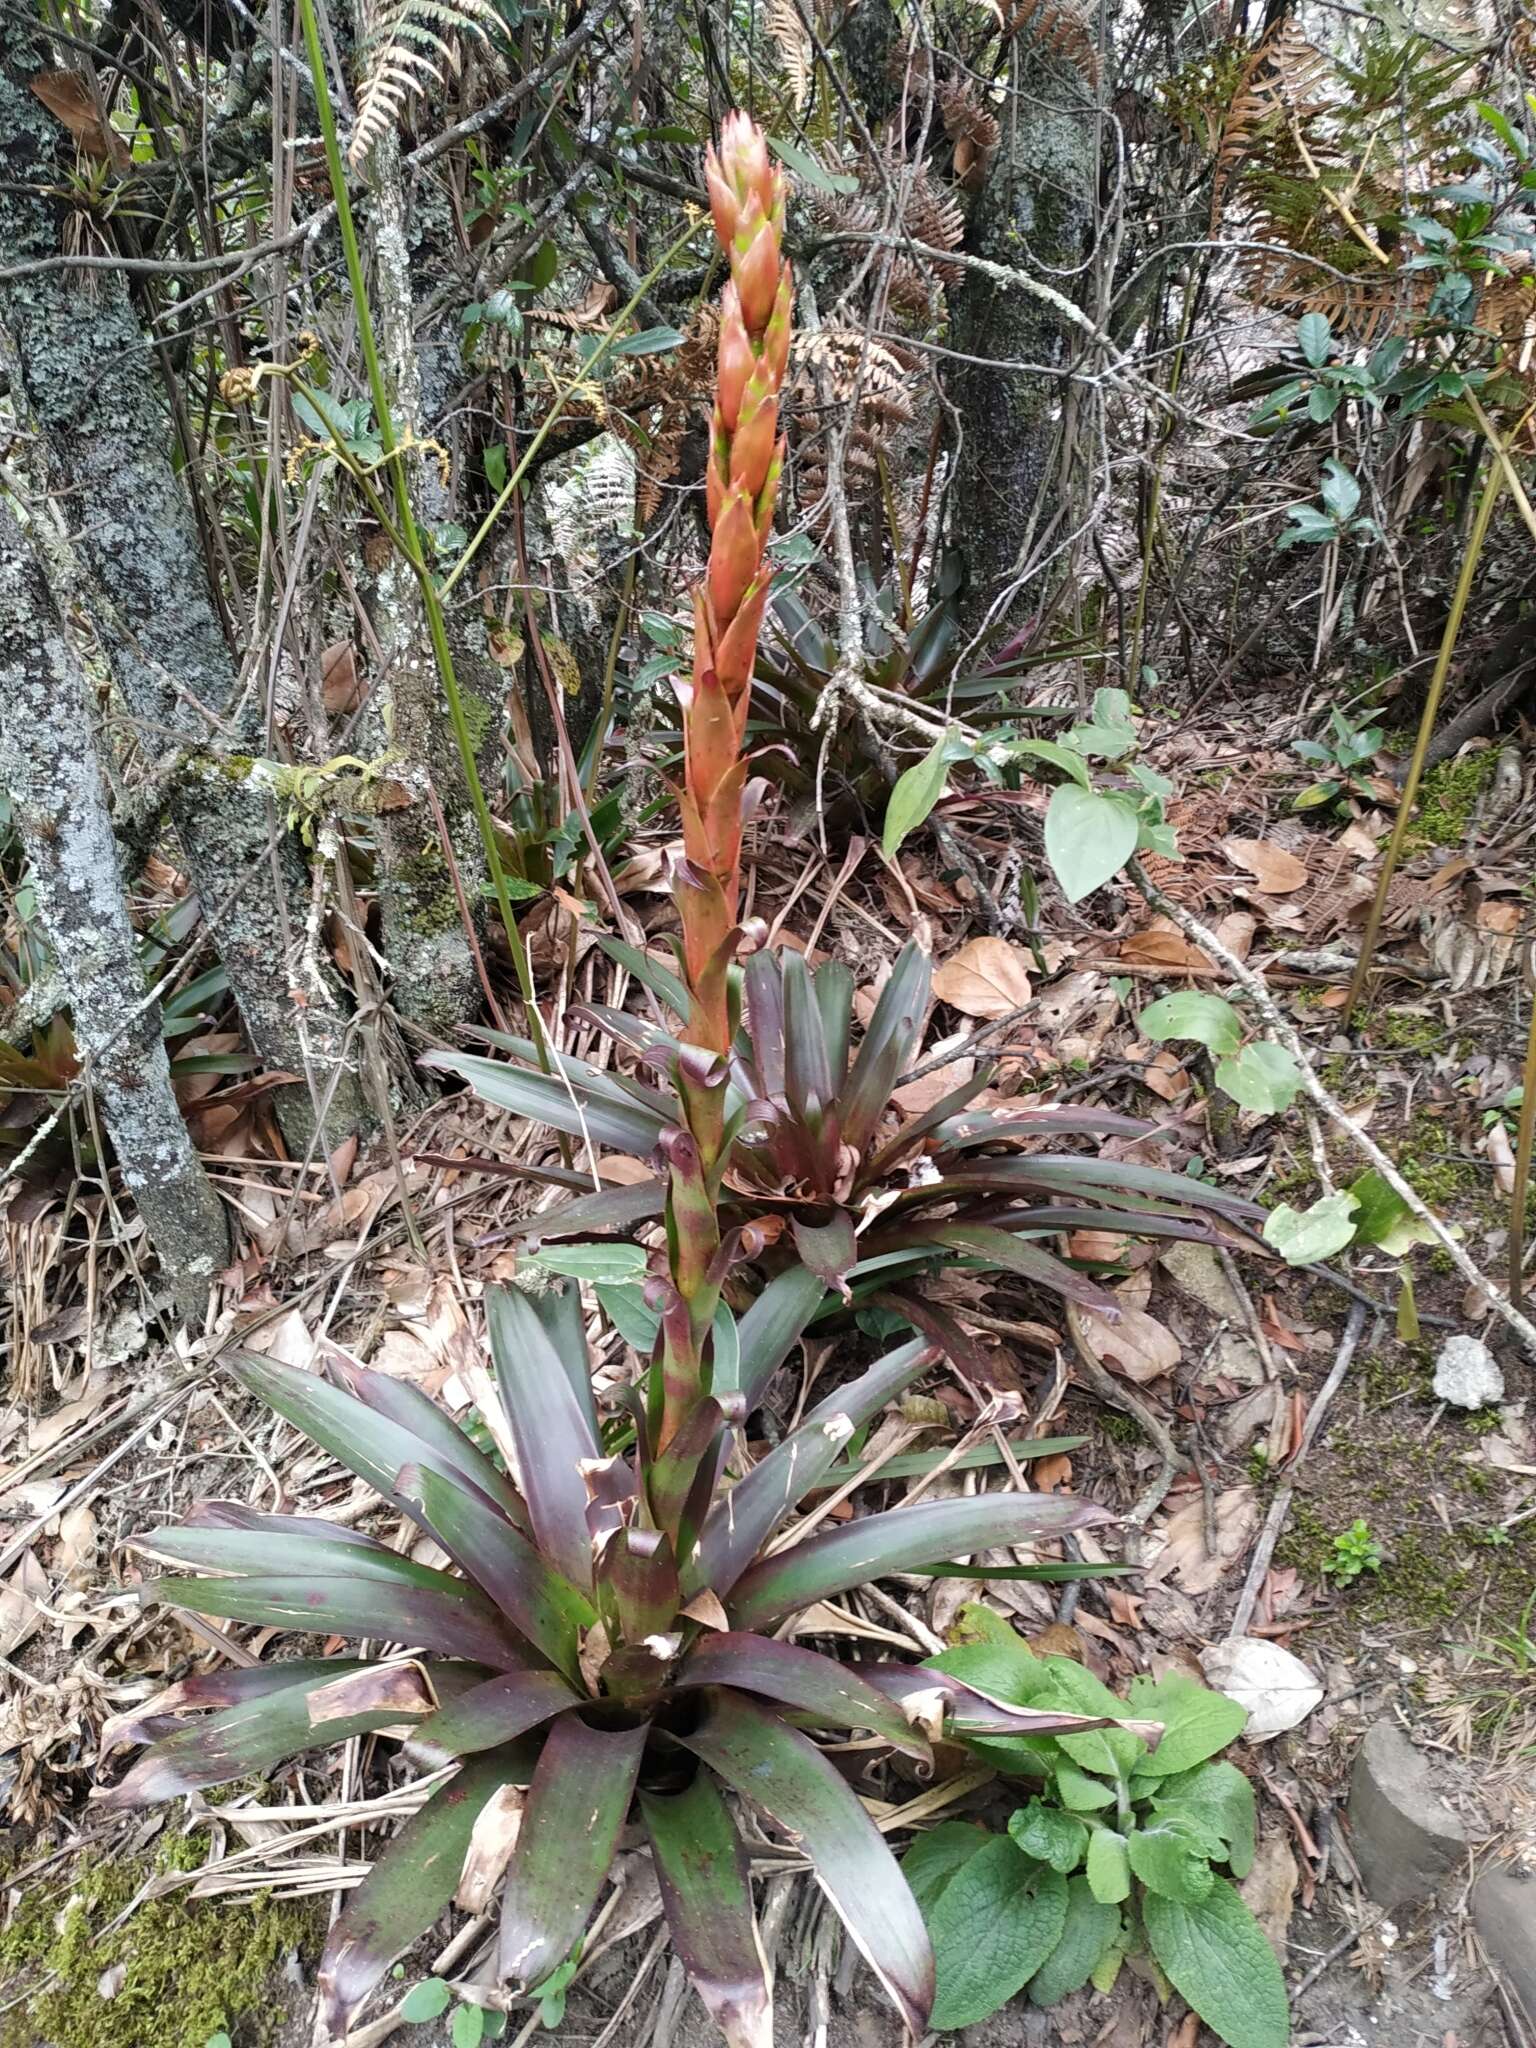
496	1711
539	1603
1011	1253
889	1041
968	1710
739	1525
706	1893
429	1424
549	1429
833	1695
770	1328
571	1104
265	1720
829	1249
449	1617
901	1540
408	1886
788	1777
576	1806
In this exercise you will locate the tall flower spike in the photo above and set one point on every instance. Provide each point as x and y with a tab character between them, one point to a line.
746	198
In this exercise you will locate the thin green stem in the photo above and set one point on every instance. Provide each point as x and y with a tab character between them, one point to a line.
409	535
1464	581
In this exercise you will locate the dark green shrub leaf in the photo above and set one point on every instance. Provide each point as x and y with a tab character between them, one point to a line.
934	1858
1049	1835
1109	1868
995	1923
468	2029
916	792
1087	1935
1169	1858
1079	1792
1216	1796
1196	1722
1189	1014
1088	838
424	2001
1216	1957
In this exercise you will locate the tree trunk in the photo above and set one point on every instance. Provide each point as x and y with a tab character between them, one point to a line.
81	365
49	769
1034	213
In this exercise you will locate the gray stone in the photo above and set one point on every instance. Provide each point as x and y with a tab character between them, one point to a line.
1404	1836
1467	1373
1504	1914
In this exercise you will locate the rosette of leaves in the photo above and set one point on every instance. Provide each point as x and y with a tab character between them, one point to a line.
817	1153
595	1640
1119	1849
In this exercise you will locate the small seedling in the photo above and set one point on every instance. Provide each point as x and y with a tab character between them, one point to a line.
1354	1551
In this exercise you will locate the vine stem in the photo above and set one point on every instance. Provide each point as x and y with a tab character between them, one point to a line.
1256	989
1471	556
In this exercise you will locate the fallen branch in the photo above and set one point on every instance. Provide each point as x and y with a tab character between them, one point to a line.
1254	986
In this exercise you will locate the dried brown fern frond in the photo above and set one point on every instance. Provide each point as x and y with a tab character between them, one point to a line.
1283	82
1060	26
408	48
792	40
831	370
971	126
932	213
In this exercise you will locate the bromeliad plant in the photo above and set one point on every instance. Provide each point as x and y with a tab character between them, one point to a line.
813	1147
597	1643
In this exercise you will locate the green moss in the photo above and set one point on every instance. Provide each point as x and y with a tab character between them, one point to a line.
478	717
1422	1160
1409	1031
1418	1582
1306	1544
191	1967
1120	1429
1388	1375
424	889
1448	796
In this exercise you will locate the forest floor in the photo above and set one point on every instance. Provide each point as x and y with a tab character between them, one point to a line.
206	1917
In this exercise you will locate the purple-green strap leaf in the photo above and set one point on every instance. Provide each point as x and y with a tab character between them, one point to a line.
888	1044
570	1104
1001	1248
739	1525
449	1617
967	1709
576	1806
769	1329
933	1532
408	1886
608	1209
539	1603
549	1430
418	1413
496	1711
706	1893
829	1249
832	1694
265	1720
358	1436
768	1763
264	1551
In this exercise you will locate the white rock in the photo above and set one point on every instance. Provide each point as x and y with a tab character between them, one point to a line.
1277	1689
1467	1373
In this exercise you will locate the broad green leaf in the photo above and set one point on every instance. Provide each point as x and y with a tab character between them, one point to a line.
1218	1797
653	341
1196	1722
1088	838
1080	1792
1188	1014
1067	759
1384	1219
1087	1935
1169	1858
1049	1835
468	2029
613	1263
1262	1076
916	792
934	1858
1216	1957
1303	1236
625	1308
995	1923
1114	1752
1313	338
1339	490
1108	1868
810	170
706	1891
1112	731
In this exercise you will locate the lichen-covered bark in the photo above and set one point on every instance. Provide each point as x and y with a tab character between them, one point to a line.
432	970
48	768
82	368
1034	212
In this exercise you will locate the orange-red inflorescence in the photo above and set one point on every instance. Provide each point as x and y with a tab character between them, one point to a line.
746	197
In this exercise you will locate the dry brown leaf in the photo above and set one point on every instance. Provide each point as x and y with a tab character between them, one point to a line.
986	978
1236	931
1184	1556
1355	839
19	1602
921	1095
1502	1155
1138	1346
69	98
1277	871
76	1555
340	684
1162	944
287	1340
492	1840
1164	1076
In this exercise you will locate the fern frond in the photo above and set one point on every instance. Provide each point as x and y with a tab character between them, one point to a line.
407	48
796	51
